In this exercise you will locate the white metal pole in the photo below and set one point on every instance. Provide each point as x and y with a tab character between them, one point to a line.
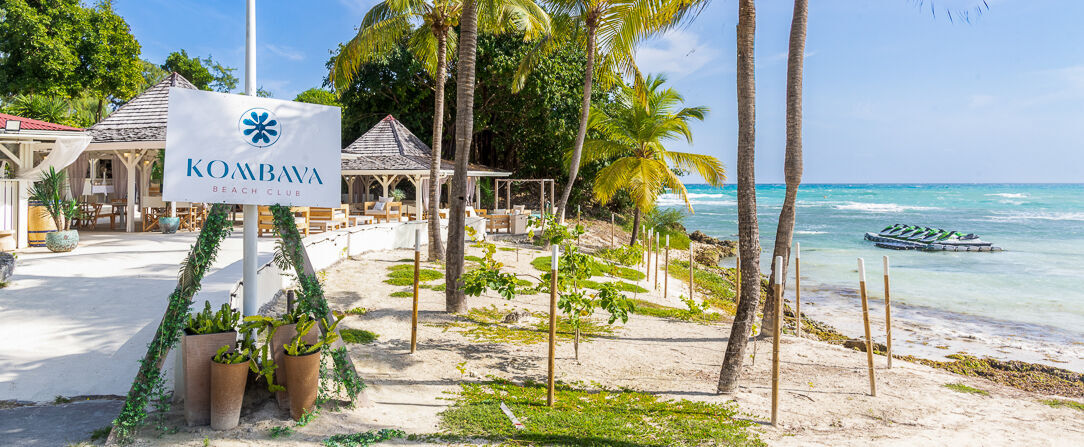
251	212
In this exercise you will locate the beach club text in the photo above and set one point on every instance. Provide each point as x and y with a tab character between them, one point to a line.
225	148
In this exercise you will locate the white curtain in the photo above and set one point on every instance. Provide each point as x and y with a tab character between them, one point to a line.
77	174
471	181
65	151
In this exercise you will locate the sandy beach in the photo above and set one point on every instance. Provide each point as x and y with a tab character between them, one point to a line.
825	398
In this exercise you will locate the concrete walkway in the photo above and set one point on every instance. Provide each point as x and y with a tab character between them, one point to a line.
77	323
56	425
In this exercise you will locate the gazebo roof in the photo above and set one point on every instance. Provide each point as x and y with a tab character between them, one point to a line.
390	148
143	118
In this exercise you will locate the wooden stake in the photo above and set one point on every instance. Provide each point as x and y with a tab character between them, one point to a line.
553	324
776	333
656	262
647	257
691	267
666	270
865	323
798	287
417	271
611	231
888	317
737	281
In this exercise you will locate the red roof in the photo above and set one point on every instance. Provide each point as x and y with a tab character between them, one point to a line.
33	124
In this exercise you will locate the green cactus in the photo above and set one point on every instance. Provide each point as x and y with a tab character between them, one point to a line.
209	322
298	347
228	357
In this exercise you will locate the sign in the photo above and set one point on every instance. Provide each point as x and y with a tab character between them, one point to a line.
225	148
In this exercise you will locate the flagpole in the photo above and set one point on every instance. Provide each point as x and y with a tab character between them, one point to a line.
251	212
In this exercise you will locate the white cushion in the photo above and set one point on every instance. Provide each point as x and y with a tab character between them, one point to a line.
500	212
379	206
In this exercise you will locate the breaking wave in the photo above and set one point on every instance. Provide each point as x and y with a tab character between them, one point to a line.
880	207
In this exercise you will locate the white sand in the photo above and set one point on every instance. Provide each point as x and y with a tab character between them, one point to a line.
824	398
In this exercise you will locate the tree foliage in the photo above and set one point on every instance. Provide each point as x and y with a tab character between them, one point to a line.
317	95
59	48
205	73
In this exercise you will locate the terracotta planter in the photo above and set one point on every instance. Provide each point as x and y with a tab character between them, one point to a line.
197	351
282	337
227	393
303	382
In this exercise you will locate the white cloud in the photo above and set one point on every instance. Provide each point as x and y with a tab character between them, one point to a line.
981	101
285	52
677	53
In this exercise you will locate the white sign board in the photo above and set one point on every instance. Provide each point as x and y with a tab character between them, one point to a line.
225	148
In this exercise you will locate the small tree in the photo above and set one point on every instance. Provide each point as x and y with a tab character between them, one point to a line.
51	191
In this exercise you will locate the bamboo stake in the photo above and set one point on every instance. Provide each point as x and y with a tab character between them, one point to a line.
656	262
647	256
865	323
798	287
553	323
611	231
776	333
417	270
691	267
737	281
888	317
666	282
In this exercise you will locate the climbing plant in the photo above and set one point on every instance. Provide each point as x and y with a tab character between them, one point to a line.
149	385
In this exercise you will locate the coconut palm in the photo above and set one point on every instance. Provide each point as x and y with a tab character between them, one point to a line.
608	30
427	27
632	135
792	165
748	233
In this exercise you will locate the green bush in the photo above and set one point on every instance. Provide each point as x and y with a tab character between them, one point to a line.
359	336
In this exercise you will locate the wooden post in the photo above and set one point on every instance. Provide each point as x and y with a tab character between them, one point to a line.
691	267
611	231
776	333
647	256
508	194
417	267
798	288
888	317
656	262
555	252
865	323
666	270
737	282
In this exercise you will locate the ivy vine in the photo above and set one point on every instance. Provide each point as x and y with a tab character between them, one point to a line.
149	386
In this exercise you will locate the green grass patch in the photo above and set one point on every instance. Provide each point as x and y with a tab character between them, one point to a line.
961	388
359	336
101	433
472	258
659	311
620	285
423	274
280	432
591	418
1055	403
506	248
717	289
399	281
486	324
402	267
403	294
438	287
542	263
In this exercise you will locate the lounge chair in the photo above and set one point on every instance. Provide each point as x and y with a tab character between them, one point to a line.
266	221
384	209
327	219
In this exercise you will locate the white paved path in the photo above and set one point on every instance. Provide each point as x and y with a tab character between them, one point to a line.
77	323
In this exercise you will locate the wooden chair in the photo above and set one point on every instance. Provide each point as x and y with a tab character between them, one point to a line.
387	211
326	219
266	221
496	222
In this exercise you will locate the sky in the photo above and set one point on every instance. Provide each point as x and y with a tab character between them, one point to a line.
892	92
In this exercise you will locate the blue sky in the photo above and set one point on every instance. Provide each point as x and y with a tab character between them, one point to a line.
892	93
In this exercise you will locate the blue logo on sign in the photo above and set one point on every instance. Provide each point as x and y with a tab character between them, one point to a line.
259	127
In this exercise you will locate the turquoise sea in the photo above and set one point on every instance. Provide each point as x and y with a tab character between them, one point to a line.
1031	294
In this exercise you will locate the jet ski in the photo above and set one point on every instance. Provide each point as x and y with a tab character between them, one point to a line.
914	237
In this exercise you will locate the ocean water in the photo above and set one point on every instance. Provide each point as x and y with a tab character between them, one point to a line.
1031	292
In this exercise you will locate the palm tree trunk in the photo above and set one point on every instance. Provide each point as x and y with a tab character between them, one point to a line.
748	232
455	300
635	226
585	112
436	245
792	166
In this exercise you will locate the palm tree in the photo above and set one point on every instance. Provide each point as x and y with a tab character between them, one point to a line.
608	30
633	130
792	165
748	232
428	29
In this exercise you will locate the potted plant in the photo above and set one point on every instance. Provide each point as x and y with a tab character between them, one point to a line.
286	331
302	366
205	332
50	192
229	372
